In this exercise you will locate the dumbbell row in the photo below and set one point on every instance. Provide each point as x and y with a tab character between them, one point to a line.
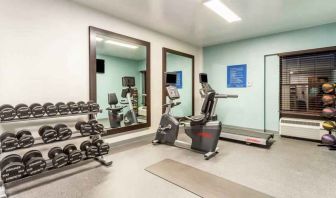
14	167
60	132
36	110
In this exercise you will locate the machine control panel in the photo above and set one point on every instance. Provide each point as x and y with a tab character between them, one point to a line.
172	92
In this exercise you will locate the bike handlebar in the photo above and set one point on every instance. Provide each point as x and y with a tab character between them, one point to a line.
226	96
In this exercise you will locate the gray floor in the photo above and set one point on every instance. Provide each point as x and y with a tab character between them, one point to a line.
291	168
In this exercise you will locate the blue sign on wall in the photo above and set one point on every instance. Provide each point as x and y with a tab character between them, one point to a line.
179	80
236	76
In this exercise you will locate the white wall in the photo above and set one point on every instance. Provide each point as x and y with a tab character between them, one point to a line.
44	52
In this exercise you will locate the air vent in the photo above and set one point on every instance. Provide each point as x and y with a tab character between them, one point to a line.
307	129
299	122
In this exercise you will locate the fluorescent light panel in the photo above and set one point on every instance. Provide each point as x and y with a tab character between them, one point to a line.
121	44
98	39
222	10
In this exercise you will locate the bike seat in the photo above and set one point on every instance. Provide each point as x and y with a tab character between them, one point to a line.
196	120
114	108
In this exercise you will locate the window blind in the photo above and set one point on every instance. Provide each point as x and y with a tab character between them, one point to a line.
301	78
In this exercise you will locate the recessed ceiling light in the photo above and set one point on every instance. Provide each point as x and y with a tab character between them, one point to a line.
121	44
222	10
98	39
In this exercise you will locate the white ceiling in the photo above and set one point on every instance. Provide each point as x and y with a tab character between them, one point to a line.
103	48
190	21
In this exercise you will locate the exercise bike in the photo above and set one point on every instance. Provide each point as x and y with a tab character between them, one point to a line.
130	118
114	112
203	132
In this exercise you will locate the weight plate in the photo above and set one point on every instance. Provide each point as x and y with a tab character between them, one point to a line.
42	129
85	145
79	124
68	148
50	109
63	131
60	160
62	108
84	108
26	141
48	134
8	159
34	162
90	150
54	151
75	157
20	133
37	110
9	142
92	122
12	168
94	151
6	135
98	142
74	108
33	153
104	149
84	128
22	111
25	138
93	107
7	112
6	106
19	106
99	128
35	166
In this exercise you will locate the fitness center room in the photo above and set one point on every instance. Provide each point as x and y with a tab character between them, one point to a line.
167	98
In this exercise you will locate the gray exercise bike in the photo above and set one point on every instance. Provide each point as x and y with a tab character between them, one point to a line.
203	132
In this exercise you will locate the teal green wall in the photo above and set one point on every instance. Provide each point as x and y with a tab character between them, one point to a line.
248	110
110	81
184	64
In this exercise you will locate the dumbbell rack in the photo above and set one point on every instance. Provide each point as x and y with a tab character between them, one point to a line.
49	167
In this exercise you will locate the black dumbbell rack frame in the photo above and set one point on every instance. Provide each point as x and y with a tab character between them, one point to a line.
38	142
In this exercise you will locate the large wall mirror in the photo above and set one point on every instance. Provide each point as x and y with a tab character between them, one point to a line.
183	64
120	80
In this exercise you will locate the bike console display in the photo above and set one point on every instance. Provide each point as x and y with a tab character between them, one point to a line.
128	81
203	78
172	92
171	78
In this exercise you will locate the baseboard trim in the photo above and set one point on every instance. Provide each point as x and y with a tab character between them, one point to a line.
299	138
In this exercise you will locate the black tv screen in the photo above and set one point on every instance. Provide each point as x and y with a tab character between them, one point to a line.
100	65
171	78
203	78
128	81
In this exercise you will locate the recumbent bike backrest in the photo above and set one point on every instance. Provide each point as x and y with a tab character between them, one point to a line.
208	104
112	99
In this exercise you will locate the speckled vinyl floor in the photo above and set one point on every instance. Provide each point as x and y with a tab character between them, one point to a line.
291	168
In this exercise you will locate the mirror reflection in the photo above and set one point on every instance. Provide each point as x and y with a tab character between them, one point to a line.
121	82
183	66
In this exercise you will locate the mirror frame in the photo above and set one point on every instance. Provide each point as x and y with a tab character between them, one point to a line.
164	69
93	31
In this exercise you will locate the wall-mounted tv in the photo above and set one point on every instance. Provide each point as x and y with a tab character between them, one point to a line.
100	65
